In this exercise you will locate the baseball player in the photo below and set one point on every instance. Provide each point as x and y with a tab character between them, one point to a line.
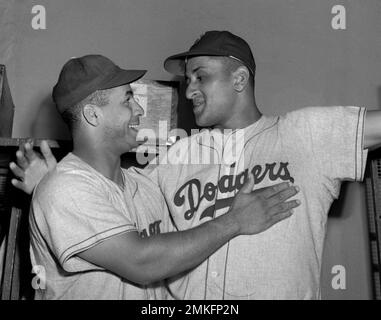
316	148
102	232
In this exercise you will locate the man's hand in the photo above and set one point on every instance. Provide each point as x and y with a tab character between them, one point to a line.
147	260
31	166
256	211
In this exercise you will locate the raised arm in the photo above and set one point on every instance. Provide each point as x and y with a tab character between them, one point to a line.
147	260
372	134
31	166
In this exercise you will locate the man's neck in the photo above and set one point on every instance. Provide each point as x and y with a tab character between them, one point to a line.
101	159
244	115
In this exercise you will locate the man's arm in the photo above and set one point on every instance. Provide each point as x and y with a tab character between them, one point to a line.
372	130
31	166
146	260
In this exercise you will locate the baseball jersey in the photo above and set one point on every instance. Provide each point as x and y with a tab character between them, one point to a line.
73	209
315	148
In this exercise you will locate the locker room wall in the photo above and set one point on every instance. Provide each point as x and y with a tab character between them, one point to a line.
301	61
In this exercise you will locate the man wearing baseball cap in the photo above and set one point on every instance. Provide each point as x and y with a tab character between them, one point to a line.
213	44
90	218
316	148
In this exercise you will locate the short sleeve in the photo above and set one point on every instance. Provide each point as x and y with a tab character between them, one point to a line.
335	138
74	214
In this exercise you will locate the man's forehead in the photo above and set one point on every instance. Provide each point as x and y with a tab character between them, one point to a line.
122	90
200	62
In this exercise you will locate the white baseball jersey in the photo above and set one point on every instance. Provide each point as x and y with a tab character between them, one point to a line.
73	209
314	148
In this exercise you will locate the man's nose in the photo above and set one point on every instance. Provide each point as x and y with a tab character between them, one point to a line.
138	110
190	90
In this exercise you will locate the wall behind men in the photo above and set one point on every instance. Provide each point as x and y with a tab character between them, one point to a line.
301	61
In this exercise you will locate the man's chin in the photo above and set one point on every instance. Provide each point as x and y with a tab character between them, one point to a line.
130	145
139	142
204	123
136	143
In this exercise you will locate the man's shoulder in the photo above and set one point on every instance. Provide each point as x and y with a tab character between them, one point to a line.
67	176
199	137
317	121
317	117
180	151
303	112
192	139
319	111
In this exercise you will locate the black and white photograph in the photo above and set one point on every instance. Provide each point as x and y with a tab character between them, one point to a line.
193	152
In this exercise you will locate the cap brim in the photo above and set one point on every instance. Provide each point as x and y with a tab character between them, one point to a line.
176	64
123	77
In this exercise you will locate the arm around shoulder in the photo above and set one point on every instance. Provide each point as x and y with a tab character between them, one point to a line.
147	260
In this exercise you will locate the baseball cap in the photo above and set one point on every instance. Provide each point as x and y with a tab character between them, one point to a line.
213	43
82	76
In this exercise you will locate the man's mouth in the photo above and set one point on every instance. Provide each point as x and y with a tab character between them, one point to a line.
134	126
197	105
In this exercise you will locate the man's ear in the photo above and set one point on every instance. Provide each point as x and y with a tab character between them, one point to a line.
241	78
91	114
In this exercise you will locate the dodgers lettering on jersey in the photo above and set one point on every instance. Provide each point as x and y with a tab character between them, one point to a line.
192	192
315	148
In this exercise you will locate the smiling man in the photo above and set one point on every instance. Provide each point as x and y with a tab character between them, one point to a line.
316	148
90	218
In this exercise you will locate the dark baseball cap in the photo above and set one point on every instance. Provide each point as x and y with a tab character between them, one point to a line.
82	76
213	43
